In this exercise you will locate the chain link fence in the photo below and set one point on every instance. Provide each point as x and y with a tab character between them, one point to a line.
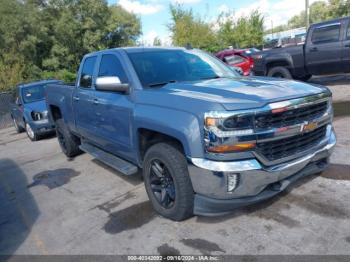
5	108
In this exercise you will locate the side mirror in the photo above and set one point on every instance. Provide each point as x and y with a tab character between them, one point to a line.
18	102
111	83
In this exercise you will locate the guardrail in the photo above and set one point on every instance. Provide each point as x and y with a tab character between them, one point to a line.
5	108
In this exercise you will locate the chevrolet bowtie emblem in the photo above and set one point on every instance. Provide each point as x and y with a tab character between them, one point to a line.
307	127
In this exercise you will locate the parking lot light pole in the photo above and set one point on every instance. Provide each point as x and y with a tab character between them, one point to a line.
307	14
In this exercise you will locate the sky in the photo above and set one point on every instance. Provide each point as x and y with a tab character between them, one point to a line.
155	15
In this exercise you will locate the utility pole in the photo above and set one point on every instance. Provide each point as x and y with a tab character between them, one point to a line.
271	28
307	14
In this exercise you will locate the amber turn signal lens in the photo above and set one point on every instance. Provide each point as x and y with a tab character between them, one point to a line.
210	121
231	148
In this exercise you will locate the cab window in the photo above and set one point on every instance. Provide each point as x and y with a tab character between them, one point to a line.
326	34
87	72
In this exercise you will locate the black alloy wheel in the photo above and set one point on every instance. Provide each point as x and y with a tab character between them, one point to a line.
162	184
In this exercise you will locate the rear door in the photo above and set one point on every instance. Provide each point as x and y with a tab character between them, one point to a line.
83	96
323	49
346	47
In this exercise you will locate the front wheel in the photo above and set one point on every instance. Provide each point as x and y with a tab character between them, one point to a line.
167	181
279	72
32	135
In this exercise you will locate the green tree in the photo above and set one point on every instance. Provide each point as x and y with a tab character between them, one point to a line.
157	41
187	29
47	38
321	11
246	31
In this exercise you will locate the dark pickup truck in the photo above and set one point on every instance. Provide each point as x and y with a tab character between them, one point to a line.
206	139
326	51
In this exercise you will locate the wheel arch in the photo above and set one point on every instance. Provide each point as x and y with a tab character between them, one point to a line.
148	137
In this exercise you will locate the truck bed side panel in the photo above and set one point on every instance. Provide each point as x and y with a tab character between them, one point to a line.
61	97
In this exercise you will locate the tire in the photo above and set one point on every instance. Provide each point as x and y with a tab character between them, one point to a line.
18	128
180	196
69	143
279	72
31	133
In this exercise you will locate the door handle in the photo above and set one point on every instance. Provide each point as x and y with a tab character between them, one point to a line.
347	45
75	98
313	49
95	101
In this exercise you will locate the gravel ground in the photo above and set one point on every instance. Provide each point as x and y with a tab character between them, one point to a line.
53	205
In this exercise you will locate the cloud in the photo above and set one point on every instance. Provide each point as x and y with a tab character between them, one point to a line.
137	7
185	1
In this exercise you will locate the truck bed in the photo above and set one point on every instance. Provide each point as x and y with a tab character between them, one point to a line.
60	95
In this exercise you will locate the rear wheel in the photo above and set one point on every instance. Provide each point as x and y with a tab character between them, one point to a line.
279	72
167	181
69	143
33	136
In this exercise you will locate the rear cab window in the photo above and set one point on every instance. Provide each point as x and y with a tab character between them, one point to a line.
86	75
326	34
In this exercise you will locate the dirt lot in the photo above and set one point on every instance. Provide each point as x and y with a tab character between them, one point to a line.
52	205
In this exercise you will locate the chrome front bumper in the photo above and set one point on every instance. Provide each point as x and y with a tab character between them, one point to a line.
42	126
209	178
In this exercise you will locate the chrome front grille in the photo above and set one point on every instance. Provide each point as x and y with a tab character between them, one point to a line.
277	149
290	117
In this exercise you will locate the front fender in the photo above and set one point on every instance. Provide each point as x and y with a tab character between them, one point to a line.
181	125
27	115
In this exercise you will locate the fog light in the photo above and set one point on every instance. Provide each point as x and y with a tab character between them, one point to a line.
232	181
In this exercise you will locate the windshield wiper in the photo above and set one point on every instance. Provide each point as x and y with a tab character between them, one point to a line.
161	83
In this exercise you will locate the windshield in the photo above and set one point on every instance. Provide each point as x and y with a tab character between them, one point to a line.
33	93
166	66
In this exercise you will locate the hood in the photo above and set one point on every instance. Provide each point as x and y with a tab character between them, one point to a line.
38	106
234	94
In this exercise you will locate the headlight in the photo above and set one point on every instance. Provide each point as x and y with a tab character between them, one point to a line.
36	116
222	133
230	126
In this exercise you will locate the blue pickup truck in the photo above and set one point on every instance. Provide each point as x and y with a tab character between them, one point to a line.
207	140
29	112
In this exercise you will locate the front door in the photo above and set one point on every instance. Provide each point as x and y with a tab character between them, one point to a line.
323	50
114	110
